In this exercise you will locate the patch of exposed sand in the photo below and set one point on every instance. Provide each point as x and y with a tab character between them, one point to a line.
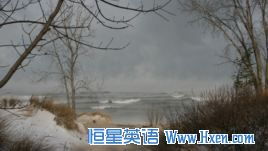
94	119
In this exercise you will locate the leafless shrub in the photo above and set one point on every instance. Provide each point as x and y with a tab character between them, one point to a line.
154	116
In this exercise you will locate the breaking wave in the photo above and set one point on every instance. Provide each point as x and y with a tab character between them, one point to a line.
196	98
101	107
127	101
178	96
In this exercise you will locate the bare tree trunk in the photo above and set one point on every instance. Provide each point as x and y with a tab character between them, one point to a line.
72	84
31	47
266	68
265	27
262	5
73	98
67	91
259	65
249	26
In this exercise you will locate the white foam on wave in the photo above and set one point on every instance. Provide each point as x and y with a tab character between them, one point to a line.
105	101
178	96
101	107
196	98
128	101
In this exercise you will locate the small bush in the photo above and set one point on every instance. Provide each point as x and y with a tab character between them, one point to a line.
64	115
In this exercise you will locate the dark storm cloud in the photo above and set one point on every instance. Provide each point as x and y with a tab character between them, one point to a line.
162	56
167	51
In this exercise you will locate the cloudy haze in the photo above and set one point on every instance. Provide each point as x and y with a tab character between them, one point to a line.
162	57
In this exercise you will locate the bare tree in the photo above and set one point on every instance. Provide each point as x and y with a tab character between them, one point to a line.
67	54
244	25
36	29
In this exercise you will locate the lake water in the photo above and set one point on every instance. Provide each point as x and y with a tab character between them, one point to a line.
131	107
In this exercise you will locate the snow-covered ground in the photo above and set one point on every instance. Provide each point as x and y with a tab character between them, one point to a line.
39	125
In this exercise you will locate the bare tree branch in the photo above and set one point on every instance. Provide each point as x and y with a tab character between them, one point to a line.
35	30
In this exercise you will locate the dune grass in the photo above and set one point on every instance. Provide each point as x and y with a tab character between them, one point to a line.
64	115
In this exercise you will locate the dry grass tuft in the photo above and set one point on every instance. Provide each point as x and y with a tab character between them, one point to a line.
2	128
3	103
3	135
6	144
9	102
35	102
64	115
13	102
29	145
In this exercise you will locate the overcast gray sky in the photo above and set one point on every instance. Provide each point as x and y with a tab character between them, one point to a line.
162	57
